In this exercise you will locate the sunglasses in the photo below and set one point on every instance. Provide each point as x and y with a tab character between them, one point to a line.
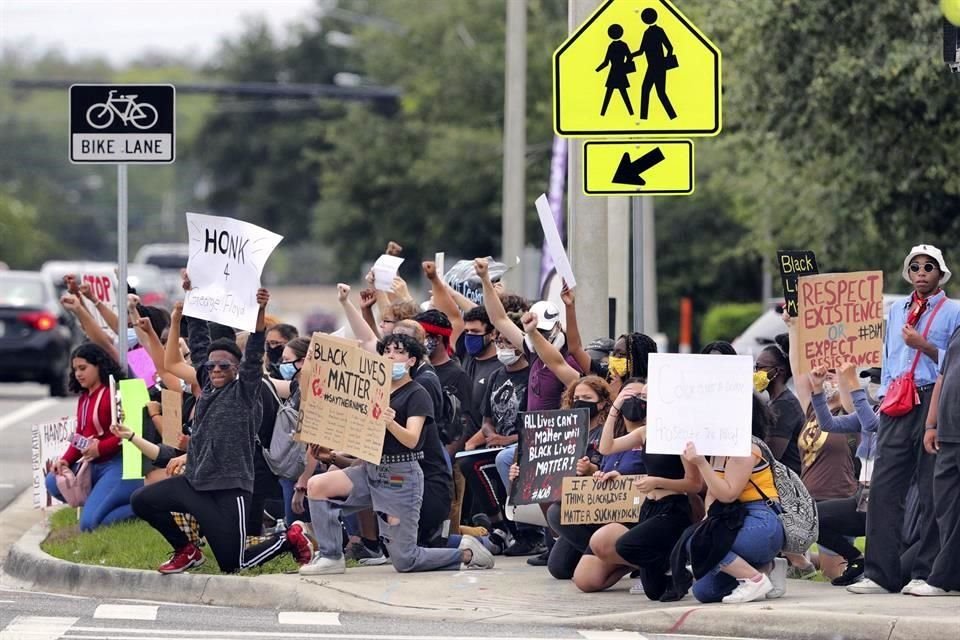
223	365
927	266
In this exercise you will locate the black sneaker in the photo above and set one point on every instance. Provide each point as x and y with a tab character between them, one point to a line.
540	560
850	575
522	547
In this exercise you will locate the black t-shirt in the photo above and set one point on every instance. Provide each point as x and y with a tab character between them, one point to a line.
479	372
409	400
456	381
948	410
788	424
505	398
426	377
434	465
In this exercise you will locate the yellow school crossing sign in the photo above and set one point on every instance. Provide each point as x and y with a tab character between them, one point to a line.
637	68
638	167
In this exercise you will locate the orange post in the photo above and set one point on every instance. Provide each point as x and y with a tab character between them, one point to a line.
686	325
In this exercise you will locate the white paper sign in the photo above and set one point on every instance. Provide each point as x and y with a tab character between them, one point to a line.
49	441
227	257
440	260
385	270
704	399
554	244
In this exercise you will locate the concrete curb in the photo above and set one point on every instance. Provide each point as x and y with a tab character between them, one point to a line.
28	567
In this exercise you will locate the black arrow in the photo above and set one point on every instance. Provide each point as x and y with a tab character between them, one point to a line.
629	172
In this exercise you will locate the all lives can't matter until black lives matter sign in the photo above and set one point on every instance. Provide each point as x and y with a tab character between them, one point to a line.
122	123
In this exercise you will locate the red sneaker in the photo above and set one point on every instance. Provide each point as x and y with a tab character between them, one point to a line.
182	559
301	543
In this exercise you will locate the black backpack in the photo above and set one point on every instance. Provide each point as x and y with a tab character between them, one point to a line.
450	422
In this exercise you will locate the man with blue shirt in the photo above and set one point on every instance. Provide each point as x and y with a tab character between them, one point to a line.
901	457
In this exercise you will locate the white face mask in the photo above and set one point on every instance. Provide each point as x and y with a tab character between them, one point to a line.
873	389
507	356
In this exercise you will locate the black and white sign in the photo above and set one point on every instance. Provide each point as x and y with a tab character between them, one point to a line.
121	123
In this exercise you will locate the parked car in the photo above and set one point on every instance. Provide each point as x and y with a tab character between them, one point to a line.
169	257
765	328
36	334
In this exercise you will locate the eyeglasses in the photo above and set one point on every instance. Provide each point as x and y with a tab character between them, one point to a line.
291	361
926	266
273	344
761	367
223	365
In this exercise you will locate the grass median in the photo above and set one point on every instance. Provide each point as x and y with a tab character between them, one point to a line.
132	544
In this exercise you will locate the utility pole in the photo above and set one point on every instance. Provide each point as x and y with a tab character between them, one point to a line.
515	138
618	259
587	225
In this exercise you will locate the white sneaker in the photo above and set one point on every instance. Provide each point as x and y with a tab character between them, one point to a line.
321	566
927	590
913	584
748	591
866	586
636	589
482	558
778	578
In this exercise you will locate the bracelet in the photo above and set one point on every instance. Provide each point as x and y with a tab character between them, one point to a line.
300	489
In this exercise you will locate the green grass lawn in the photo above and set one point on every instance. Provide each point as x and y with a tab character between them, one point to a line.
132	545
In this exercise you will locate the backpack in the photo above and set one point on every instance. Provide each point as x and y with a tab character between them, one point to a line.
797	508
450	421
285	456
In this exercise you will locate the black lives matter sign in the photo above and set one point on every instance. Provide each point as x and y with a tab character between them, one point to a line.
122	123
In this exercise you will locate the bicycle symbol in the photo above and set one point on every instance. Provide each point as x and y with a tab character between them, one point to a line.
141	115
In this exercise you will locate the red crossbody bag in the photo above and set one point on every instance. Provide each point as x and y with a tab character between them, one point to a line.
902	394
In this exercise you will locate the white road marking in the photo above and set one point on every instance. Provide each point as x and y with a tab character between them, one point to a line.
36	628
125	612
121	633
591	634
25	412
308	618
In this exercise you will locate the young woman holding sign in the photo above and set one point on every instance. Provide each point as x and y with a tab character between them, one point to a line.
393	488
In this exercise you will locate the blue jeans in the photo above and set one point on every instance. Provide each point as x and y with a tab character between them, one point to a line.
286	487
758	542
109	499
504	459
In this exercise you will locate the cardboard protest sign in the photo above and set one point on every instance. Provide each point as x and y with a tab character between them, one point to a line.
841	320
133	398
551	236
550	444
703	399
345	392
793	265
171	404
48	442
589	501
227	257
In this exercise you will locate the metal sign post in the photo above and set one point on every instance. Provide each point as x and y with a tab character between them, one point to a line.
122	264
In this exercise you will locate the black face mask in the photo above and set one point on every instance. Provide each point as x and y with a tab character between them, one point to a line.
586	404
600	368
634	409
274	354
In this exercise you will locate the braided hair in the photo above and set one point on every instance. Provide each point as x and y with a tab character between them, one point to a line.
779	350
639	348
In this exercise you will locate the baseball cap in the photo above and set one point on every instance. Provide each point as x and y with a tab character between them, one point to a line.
926	250
548	315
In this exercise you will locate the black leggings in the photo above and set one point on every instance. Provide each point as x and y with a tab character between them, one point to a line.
839	520
573	542
220	514
648	544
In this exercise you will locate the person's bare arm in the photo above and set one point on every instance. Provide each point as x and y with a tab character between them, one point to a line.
109	317
443	300
406	434
368	299
846	384
495	311
548	353
735	476
361	330
91	327
574	341
173	360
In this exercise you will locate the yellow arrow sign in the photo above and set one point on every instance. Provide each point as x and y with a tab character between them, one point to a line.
637	67
648	167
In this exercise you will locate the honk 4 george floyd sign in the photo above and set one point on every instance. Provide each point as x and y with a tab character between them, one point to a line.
227	257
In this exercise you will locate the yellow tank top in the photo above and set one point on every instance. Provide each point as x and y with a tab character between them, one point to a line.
762	476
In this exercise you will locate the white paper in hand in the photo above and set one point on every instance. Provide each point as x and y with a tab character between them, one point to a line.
385	270
554	244
227	257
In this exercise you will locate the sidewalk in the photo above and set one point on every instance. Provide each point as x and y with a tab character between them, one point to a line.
513	591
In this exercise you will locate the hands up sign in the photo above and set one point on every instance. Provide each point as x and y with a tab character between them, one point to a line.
227	257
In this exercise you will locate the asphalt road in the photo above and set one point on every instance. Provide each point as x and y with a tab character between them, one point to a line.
22	405
38	616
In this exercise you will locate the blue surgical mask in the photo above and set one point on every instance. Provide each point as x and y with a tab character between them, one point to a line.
474	344
131	338
399	370
287	370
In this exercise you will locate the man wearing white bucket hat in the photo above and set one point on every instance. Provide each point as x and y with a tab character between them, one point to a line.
918	331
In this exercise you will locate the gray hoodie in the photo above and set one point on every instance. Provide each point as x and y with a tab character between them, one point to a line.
220	454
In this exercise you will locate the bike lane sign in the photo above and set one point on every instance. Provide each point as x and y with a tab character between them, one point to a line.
122	123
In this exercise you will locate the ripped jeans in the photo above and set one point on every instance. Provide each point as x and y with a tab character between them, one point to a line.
395	493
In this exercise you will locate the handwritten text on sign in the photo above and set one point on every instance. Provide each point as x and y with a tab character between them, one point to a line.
346	390
49	441
703	399
226	261
589	501
841	319
793	265
551	442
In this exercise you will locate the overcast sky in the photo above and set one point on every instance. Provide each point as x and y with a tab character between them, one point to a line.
120	30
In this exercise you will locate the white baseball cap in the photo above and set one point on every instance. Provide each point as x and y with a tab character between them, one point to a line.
548	315
926	250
